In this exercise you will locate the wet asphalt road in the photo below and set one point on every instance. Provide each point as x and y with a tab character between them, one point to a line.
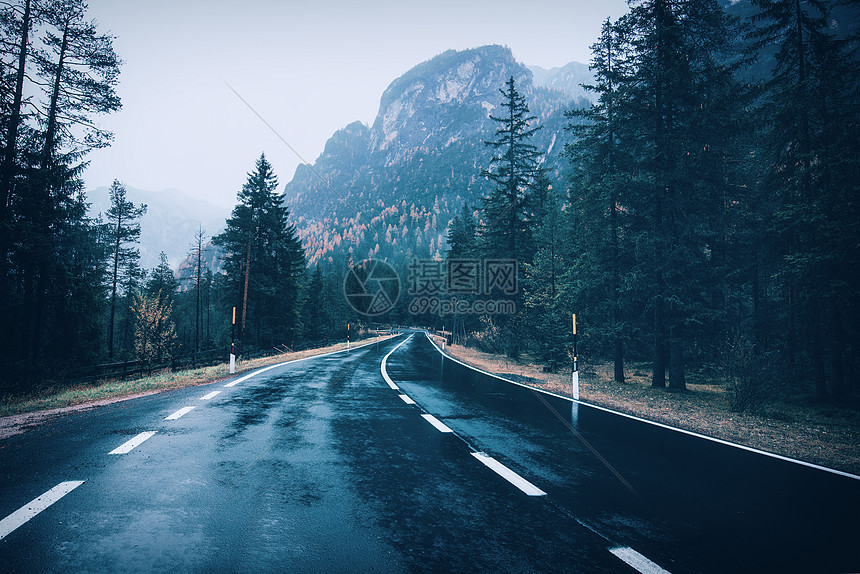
320	466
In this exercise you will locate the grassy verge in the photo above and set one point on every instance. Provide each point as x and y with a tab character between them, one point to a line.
110	390
800	428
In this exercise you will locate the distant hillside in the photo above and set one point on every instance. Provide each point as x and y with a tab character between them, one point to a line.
171	221
392	188
186	271
568	79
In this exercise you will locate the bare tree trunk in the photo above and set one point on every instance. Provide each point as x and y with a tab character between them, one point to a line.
113	288
199	269
15	117
8	166
51	130
677	380
619	359
817	350
658	376
245	293
837	345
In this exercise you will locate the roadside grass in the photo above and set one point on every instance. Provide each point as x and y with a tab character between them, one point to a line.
793	425
59	397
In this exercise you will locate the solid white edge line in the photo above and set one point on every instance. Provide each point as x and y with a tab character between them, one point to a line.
257	372
211	395
440	426
382	368
128	446
264	369
179	413
509	475
35	506
407	399
637	561
661	425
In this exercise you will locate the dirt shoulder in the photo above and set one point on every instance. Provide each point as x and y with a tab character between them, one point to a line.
817	433
18	414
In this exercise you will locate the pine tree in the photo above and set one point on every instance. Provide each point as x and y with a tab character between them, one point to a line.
69	70
680	56
123	231
811	149
162	282
318	309
505	230
601	258
461	235
21	30
543	278
265	261
197	254
82	69
506	227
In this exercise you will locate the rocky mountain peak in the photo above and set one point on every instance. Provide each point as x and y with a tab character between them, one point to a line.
391	189
453	89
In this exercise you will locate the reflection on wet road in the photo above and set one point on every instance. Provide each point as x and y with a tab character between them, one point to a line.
333	464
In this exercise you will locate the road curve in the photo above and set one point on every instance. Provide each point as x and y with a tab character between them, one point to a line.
392	458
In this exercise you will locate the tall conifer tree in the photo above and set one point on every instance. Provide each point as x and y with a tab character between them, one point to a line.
505	231
123	232
265	261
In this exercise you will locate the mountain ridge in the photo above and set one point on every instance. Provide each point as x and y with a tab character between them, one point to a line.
392	188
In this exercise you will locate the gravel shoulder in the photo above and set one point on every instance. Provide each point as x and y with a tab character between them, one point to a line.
819	433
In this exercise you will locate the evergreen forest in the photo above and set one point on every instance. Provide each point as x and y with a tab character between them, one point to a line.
704	213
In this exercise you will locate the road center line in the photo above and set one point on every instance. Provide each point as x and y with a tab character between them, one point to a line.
384	371
133	443
407	400
440	426
210	395
637	561
509	475
179	413
35	506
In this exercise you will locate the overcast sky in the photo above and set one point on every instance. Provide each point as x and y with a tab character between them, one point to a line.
309	68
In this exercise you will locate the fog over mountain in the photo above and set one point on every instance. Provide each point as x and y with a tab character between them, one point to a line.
171	221
392	188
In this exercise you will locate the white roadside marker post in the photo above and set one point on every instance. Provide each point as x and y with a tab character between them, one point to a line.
233	345
575	373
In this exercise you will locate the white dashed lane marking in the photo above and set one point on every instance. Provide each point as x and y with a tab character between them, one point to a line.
637	561
508	474
407	400
179	413
37	505
440	426
127	447
210	395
